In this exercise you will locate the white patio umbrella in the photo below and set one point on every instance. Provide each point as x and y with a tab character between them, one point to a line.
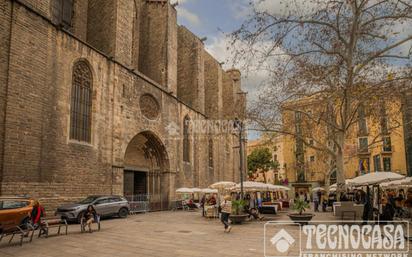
251	186
222	185
273	187
209	191
401	182
283	187
375	178
407	181
196	190
318	189
184	190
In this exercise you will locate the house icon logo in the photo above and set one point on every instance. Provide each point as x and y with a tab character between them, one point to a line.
282	241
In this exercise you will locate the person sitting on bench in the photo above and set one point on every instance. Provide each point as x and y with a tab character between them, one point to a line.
36	214
90	216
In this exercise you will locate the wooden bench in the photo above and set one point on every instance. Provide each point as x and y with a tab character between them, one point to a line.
28	231
47	223
83	223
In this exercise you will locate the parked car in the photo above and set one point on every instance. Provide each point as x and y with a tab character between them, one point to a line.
106	206
14	211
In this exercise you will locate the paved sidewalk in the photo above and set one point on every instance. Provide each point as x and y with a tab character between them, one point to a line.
154	234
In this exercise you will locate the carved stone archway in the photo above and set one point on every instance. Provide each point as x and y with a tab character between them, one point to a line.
146	170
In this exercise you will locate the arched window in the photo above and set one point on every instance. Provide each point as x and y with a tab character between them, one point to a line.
186	139
210	153
81	103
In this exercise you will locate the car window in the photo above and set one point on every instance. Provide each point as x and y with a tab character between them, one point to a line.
102	201
12	204
115	199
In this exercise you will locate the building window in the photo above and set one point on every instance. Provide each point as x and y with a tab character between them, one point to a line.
387	144
81	103
377	163
186	139
363	166
387	164
311	142
312	158
363	144
210	153
362	125
384	120
275	157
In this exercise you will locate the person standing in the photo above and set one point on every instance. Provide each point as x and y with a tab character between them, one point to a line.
202	204
316	201
226	206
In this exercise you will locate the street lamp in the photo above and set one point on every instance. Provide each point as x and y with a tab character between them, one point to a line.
238	124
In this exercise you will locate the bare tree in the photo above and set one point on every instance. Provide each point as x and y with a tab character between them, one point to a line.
330	63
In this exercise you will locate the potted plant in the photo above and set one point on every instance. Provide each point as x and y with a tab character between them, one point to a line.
300	206
238	215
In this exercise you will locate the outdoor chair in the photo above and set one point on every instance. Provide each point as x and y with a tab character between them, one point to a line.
348	210
185	207
211	212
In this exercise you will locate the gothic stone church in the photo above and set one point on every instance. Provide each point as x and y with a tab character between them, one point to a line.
90	93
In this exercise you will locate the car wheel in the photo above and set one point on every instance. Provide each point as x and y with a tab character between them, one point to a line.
123	212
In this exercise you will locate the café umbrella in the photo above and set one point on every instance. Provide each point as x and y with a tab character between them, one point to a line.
252	186
209	191
184	190
318	189
222	185
375	178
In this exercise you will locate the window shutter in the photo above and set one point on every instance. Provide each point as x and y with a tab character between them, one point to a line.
67	12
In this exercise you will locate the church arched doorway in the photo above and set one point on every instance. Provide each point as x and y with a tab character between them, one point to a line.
146	167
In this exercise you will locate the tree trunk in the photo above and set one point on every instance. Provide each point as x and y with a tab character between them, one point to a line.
264	177
340	169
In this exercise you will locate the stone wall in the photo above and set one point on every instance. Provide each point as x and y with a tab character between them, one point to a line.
190	69
101	25
35	92
80	16
153	46
213	87
5	24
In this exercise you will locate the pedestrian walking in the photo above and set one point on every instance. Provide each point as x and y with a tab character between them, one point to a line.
316	201
226	206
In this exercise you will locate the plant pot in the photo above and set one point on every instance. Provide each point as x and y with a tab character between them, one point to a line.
302	219
238	219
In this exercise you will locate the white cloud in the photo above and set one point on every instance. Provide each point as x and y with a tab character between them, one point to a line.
188	16
287	7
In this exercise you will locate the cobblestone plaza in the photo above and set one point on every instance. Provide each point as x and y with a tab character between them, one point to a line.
158	234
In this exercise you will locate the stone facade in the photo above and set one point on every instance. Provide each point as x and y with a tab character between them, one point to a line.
375	150
148	74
